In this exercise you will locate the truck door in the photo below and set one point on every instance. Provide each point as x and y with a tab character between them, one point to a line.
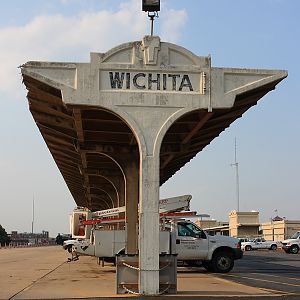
258	243
191	241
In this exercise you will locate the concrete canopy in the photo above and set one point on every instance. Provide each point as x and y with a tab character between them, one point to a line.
75	132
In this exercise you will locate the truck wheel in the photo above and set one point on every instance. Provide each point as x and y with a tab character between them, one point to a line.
294	249
248	248
207	265
222	262
69	248
273	247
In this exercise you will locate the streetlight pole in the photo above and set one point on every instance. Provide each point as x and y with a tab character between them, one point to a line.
32	215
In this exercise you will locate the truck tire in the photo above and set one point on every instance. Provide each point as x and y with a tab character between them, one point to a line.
248	248
273	247
222	262
69	248
294	249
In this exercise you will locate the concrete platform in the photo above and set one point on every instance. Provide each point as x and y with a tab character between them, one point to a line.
44	273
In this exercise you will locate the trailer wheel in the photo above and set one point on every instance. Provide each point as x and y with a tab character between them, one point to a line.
222	262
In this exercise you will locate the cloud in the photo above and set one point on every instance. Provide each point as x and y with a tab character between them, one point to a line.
72	38
172	24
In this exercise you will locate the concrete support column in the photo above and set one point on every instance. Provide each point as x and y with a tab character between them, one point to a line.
131	170
149	226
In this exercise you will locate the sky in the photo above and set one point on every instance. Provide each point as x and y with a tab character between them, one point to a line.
236	33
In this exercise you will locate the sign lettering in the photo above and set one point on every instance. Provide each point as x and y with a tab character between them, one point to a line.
150	81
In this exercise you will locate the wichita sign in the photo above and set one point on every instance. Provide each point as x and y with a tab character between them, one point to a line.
152	66
154	81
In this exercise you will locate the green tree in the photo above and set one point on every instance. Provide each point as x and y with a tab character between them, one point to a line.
4	238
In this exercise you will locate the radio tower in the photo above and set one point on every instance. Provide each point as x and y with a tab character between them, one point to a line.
236	165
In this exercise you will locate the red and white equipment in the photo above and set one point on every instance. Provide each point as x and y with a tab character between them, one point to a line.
82	219
174	207
175	204
167	215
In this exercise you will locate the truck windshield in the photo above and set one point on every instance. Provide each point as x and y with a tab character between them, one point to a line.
296	235
189	229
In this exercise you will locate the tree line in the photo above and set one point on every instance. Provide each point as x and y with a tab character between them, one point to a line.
4	238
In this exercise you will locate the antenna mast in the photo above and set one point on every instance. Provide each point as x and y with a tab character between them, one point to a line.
236	165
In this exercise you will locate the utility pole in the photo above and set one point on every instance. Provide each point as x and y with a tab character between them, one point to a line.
236	165
32	215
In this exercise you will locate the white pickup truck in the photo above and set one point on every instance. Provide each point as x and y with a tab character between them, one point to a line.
191	244
292	245
259	243
197	248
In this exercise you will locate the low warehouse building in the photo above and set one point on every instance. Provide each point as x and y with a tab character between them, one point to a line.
244	224
279	230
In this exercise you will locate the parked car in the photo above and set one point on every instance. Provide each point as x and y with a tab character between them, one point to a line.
243	239
62	237
292	245
259	243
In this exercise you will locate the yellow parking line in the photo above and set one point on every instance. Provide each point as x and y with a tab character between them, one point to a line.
278	292
265	280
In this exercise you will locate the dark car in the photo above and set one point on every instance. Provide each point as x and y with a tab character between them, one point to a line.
62	237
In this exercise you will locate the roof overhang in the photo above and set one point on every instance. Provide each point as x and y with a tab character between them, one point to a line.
81	126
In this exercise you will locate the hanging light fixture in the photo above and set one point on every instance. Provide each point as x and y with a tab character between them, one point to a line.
151	5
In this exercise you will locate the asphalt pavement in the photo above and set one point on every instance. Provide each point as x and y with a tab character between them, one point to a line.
274	270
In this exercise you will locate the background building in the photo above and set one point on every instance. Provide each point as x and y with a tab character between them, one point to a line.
214	227
244	224
241	224
279	229
26	238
